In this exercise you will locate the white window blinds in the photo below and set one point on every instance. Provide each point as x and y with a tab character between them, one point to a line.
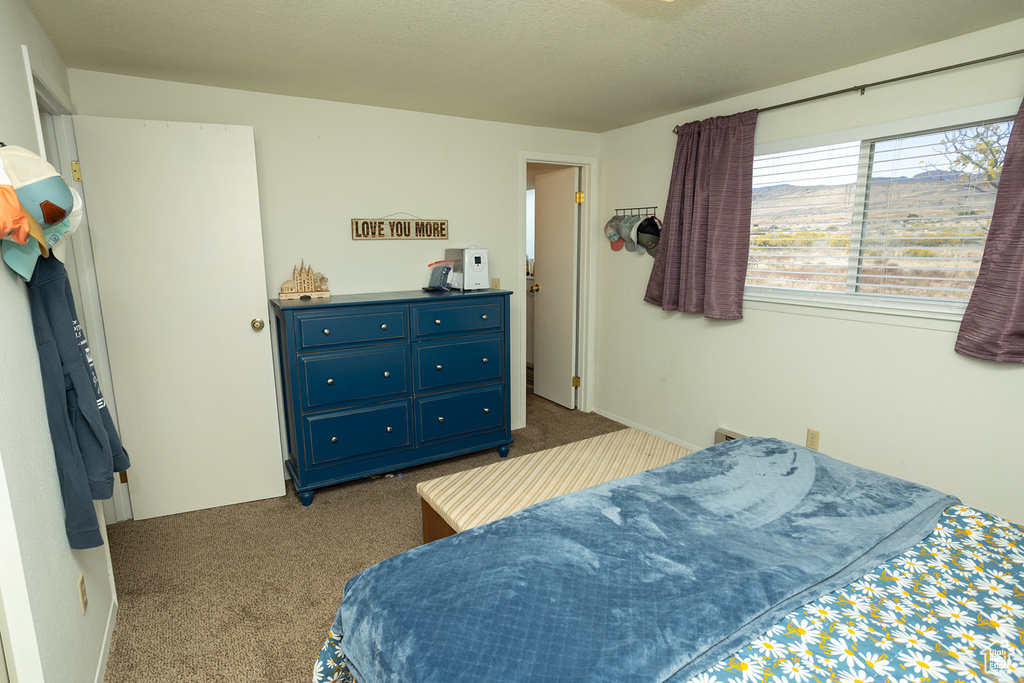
902	217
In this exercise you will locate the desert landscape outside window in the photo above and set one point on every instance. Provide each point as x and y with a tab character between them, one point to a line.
903	218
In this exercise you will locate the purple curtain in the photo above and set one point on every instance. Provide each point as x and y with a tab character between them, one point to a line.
701	262
993	324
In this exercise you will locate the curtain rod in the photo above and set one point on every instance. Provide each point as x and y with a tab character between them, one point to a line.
864	87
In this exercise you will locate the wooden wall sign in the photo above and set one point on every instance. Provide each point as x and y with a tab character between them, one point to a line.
399	229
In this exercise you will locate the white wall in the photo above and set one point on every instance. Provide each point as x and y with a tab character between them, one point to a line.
321	164
38	571
886	392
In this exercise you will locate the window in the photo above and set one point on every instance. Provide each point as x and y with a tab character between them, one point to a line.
899	219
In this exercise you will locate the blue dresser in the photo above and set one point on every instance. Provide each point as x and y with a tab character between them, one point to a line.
377	382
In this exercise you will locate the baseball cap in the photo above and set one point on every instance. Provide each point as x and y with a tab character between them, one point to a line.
73	220
22	257
13	223
648	233
46	201
43	194
652	244
611	231
628	231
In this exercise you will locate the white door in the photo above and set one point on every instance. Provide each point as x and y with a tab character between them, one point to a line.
554	303
177	242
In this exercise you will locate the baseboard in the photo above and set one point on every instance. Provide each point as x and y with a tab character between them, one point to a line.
649	430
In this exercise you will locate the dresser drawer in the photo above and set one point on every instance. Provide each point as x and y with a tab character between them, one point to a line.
435	320
357	433
362	325
456	413
341	377
455	362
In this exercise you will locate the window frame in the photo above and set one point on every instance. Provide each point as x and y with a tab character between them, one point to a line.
831	304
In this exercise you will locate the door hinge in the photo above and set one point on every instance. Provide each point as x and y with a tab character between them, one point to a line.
579	197
124	477
76	171
576	381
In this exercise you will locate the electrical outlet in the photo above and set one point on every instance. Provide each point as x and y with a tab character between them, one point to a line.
495	283
81	592
813	438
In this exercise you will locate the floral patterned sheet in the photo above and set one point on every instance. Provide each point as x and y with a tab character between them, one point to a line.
949	609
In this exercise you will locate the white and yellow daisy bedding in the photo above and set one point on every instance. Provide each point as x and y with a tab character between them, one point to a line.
950	608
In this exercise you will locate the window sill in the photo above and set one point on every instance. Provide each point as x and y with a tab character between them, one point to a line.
944	316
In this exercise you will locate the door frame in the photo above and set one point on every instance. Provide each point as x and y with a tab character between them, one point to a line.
586	323
5	652
561	240
118	507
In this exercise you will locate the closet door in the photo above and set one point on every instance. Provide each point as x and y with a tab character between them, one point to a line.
177	241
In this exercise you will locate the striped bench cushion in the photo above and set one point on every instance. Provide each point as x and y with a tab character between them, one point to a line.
484	494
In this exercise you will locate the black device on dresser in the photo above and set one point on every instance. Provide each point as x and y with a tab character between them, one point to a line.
376	382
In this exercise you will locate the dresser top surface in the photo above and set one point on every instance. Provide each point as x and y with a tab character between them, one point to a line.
414	296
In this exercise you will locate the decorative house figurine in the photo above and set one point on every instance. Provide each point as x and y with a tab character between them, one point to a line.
305	284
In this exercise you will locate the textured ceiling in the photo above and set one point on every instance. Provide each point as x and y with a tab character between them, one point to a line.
588	65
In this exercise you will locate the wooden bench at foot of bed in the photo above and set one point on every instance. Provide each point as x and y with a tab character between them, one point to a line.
463	500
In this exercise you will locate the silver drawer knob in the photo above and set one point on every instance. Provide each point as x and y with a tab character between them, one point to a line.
437	322
487	410
330	382
485	360
334	439
484	316
440	419
438	367
389	430
387	374
384	326
326	331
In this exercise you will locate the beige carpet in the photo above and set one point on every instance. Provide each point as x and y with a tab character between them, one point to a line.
247	592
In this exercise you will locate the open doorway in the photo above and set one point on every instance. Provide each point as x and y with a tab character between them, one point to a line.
553	218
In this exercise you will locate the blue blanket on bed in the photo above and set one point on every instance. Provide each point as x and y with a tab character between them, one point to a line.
652	577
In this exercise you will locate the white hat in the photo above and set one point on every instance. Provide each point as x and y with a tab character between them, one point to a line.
74	220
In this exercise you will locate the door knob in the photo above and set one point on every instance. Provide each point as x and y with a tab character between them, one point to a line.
535	288
257	324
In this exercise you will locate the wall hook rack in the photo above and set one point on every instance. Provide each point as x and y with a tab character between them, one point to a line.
637	211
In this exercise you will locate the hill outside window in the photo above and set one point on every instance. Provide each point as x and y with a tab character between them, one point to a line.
895	224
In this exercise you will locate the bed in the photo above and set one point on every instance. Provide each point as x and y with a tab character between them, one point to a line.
753	560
